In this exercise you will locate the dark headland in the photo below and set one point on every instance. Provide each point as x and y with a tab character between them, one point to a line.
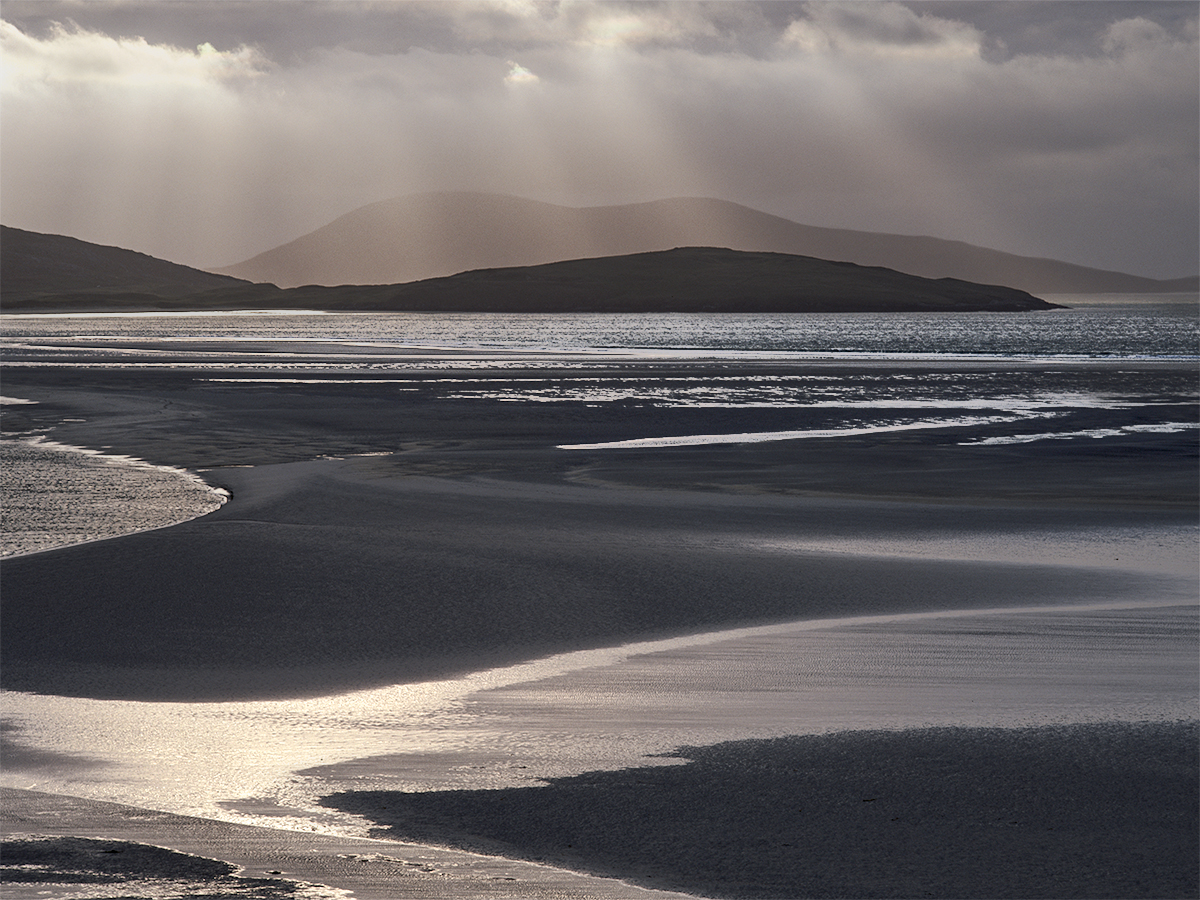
39	265
687	279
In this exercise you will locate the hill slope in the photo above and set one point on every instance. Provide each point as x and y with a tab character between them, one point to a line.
432	235
690	279
32	263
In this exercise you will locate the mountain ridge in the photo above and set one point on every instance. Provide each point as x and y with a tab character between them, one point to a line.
431	235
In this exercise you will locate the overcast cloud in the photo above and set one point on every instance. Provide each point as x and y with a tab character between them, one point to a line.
205	132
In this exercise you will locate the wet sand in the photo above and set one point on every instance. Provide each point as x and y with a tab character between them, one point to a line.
1084	811
271	863
327	576
476	543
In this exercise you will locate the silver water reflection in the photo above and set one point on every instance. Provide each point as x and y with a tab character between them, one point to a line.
1104	326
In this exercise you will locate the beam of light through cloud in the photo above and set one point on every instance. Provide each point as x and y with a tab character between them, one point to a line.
90	61
207	132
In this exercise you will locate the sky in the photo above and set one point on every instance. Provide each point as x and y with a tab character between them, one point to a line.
206	131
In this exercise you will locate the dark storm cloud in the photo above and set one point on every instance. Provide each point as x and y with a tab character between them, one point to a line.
1055	27
1007	27
205	132
394	27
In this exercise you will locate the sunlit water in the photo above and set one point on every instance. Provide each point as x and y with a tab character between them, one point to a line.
1096	327
360	348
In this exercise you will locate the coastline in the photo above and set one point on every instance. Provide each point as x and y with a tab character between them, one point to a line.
281	863
1067	811
477	528
1099	811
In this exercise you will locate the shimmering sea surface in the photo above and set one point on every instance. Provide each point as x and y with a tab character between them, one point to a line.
972	352
1107	326
268	762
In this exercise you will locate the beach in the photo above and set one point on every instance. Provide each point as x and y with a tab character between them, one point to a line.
417	527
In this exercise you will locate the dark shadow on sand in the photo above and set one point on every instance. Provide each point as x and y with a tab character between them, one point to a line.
1088	811
55	862
18	757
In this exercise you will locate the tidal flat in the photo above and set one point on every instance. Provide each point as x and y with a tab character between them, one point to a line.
422	640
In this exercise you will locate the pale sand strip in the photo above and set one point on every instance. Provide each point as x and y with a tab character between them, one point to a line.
688	440
371	869
85	495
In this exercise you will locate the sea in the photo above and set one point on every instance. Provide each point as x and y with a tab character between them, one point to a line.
43	480
1102	326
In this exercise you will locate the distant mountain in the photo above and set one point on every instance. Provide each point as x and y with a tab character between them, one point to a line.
432	235
32	263
690	279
